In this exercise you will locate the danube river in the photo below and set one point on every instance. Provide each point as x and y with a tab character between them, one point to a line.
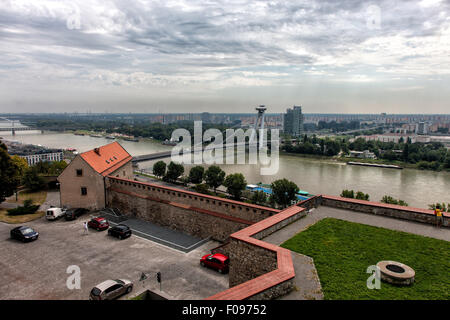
417	188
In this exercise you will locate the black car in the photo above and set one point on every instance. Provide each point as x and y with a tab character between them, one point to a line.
24	234
72	214
120	231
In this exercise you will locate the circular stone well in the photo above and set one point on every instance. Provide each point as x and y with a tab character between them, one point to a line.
396	273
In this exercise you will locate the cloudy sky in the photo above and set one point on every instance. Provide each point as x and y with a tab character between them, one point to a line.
349	56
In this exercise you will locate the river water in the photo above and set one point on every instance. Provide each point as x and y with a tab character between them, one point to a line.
418	188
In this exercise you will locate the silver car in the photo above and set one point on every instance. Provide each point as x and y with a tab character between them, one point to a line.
111	289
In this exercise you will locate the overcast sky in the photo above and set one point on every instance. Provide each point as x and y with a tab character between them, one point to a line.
349	56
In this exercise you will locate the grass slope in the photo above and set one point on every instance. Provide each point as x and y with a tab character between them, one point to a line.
343	250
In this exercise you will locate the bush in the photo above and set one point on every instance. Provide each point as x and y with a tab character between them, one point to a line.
202	188
362	196
348	194
390	200
443	207
32	180
259	197
27	208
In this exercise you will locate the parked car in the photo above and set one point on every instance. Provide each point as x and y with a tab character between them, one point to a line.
54	213
111	289
217	261
74	213
24	234
98	223
120	231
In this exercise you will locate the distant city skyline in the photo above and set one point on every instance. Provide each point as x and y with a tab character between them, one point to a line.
180	56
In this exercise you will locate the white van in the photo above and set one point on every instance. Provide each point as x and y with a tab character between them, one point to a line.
54	213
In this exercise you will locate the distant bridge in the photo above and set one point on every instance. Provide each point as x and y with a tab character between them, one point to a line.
13	129
167	154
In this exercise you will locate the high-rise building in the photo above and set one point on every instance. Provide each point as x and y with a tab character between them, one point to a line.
421	128
293	121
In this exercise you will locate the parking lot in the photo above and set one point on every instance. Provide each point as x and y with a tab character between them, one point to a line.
38	270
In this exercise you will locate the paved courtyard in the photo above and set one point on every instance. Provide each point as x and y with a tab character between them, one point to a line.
37	270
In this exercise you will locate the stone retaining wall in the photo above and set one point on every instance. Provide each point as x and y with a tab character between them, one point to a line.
260	270
193	221
388	210
248	261
237	209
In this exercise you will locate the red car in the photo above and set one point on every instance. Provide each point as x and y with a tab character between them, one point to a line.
98	224
216	261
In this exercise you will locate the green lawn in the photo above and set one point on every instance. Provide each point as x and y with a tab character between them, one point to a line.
343	250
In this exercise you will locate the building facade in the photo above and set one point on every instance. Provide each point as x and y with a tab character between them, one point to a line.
293	121
83	182
33	159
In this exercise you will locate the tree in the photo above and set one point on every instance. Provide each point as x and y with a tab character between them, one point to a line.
9	174
405	153
348	194
332	147
21	163
32	180
214	177
174	170
202	188
196	174
284	192
159	169
362	196
42	167
235	184
57	167
259	197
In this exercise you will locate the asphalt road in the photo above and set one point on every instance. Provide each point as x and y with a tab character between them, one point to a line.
38	270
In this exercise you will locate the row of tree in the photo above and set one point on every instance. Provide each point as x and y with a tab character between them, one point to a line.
432	156
144	129
283	191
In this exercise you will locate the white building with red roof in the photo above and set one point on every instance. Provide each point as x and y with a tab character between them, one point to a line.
82	183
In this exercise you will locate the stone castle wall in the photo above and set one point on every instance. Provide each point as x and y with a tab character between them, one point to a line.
196	214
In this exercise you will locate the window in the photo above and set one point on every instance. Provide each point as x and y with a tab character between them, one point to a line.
79	172
113	288
83	191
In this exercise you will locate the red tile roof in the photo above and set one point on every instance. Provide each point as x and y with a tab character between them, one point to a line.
107	159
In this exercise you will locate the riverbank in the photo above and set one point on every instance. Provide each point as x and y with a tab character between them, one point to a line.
372	161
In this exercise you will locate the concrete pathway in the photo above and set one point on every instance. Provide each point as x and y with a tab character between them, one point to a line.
307	284
53	199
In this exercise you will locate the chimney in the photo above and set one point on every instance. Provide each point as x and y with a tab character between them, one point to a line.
97	151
